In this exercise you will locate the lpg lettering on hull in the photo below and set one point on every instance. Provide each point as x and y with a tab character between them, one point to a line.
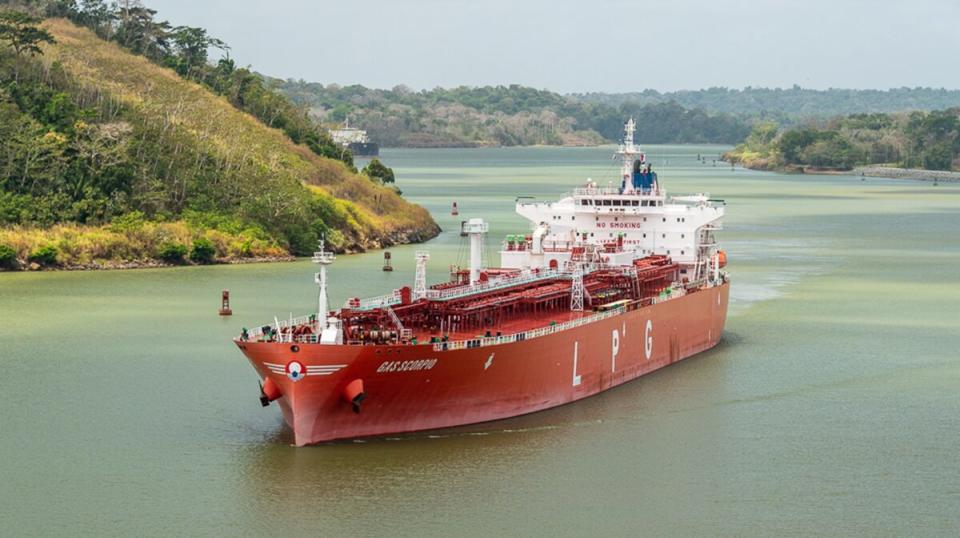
406	366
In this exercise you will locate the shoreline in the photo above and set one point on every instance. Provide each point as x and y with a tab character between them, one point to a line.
916	174
141	264
877	172
21	263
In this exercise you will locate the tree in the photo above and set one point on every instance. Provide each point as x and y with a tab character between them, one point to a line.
140	33
192	45
20	30
377	170
938	156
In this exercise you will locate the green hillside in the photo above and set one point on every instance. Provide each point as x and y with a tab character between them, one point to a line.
92	135
504	116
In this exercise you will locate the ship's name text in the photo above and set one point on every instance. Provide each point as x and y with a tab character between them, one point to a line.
407	366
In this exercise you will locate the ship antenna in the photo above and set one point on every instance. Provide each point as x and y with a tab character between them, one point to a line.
323	259
628	151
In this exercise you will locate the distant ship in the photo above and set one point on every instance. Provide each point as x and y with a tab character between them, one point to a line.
355	140
611	283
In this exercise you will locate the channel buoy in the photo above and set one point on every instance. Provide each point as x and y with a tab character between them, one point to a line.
225	304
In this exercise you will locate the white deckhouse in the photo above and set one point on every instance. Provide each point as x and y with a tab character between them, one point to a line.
616	225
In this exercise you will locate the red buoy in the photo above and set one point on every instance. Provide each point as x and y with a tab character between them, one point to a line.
454	211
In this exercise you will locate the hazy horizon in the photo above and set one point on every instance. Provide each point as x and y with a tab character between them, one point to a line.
575	48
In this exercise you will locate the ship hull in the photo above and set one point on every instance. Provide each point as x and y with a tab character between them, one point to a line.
364	149
415	387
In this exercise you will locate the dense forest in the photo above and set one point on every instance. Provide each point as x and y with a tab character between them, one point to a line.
518	115
504	116
145	149
929	140
790	104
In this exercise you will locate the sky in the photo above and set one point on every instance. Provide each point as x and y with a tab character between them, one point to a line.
588	45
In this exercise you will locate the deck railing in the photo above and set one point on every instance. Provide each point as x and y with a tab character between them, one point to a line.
257	333
283	324
535	333
500	283
389	299
678	291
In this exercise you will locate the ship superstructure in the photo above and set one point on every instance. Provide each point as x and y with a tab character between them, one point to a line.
633	218
584	301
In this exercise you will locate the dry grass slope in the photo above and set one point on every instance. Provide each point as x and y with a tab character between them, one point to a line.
380	216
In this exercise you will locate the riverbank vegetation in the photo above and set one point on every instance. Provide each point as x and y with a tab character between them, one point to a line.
91	133
132	241
503	116
927	140
788	105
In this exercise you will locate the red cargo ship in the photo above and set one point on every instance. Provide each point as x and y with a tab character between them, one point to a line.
612	283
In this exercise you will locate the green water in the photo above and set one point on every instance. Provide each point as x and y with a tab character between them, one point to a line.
831	407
